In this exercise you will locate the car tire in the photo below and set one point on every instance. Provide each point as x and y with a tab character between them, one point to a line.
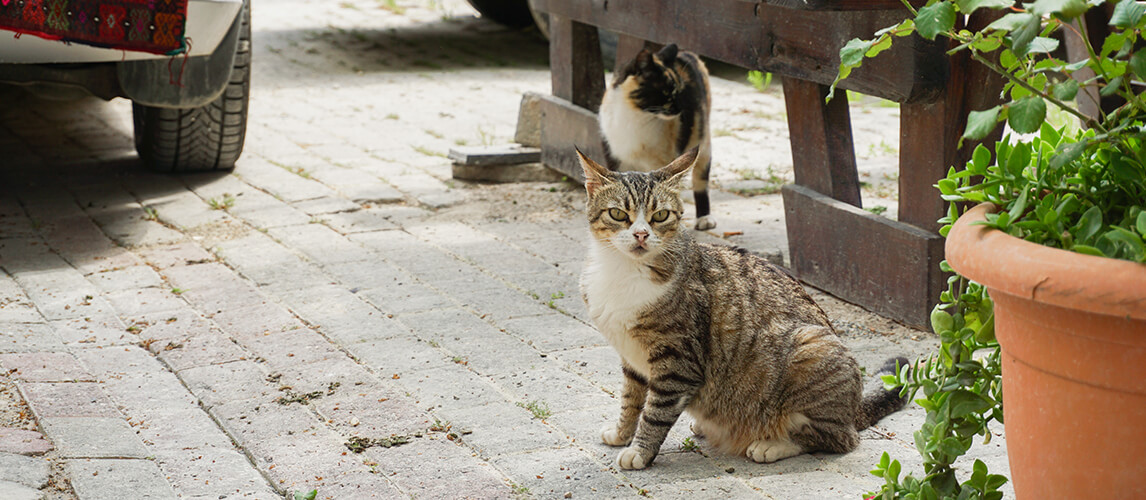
512	13
202	139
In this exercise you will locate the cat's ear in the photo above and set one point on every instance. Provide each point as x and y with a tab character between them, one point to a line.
644	59
673	173
668	54
596	176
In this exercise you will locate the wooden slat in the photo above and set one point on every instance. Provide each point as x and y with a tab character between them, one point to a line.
575	61
564	126
885	266
823	156
843	4
796	43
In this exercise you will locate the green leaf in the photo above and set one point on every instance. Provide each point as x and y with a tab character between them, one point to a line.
851	57
941	320
1027	114
298	495
934	19
1132	241
1138	64
1127	14
1065	9
1067	153
964	402
969	6
1042	45
981	123
1020	205
952	447
1141	223
881	44
1010	22
1087	250
1065	90
1089	224
980	159
1022	37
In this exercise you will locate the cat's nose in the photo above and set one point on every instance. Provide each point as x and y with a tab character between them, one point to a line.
641	235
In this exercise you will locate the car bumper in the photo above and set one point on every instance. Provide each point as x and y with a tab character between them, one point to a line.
208	21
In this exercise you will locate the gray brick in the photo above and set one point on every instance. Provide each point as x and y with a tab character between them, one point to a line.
27	471
326	205
553	473
487	350
93	437
250	323
176	254
401	354
269	263
283	184
43	367
452	386
372	410
501	428
320	243
67	399
141	233
102	329
128	278
213	472
176	325
438	469
227	382
717	488
62	293
144	301
204	349
180	431
118	479
16	491
23	442
359	221
553	332
406	297
212	287
340	315
812	484
289	348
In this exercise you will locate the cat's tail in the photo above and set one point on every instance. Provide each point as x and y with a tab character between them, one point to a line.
881	402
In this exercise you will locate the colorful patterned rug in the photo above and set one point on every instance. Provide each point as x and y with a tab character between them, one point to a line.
154	26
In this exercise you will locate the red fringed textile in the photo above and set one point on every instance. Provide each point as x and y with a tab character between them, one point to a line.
154	26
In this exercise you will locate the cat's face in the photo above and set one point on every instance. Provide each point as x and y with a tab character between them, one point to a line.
655	84
636	214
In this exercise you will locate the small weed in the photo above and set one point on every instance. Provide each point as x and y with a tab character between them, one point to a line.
460	142
223	203
772	181
461	360
881	149
435	134
761	81
178	291
392	116
518	489
310	495
149	213
428	152
440	426
434	343
294	397
689	445
558	295
487	138
878	209
359	444
348	5
392	6
539	409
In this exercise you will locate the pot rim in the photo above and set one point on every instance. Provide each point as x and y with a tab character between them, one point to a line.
1054	276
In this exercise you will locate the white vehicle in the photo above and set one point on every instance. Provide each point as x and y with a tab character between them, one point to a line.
196	125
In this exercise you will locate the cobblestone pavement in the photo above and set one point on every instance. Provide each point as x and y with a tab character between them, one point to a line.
339	314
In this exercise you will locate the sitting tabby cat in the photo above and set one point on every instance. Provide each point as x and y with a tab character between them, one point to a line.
713	330
657	108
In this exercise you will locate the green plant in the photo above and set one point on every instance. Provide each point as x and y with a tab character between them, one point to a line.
298	495
539	409
1076	188
760	80
689	445
222	203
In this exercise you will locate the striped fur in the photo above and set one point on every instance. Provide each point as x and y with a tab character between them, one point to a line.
656	108
712	330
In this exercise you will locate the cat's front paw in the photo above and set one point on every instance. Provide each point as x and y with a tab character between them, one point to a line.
705	223
768	451
612	437
631	458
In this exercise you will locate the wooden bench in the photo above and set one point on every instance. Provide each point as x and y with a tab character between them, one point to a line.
887	266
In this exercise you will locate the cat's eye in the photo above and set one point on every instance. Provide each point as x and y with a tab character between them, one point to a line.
660	215
618	214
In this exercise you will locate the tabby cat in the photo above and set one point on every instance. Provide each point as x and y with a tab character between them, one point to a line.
713	330
657	108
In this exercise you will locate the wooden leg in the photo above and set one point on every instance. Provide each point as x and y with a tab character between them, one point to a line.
628	47
823	156
575	62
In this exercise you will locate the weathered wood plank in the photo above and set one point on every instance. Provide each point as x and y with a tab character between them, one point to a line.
823	156
564	126
797	43
885	266
575	61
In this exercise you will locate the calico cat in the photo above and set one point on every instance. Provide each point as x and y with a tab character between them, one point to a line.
657	108
713	330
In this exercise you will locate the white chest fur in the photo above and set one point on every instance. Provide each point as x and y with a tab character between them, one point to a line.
640	140
616	290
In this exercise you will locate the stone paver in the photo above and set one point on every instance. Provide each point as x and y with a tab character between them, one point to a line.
340	314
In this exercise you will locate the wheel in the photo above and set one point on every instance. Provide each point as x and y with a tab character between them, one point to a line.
512	13
202	139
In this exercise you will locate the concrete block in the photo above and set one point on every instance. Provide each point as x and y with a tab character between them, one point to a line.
176	254
212	287
17	491
502	154
206	348
529	120
67	399
227	382
452	386
326	205
93	437
101	330
359	221
553	332
128	278
28	471
554	473
118	479
809	485
212	472
438	468
501	428
400	354
23	442
320	243
144	301
43	367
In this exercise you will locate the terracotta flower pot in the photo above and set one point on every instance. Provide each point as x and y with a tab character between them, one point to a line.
1072	329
